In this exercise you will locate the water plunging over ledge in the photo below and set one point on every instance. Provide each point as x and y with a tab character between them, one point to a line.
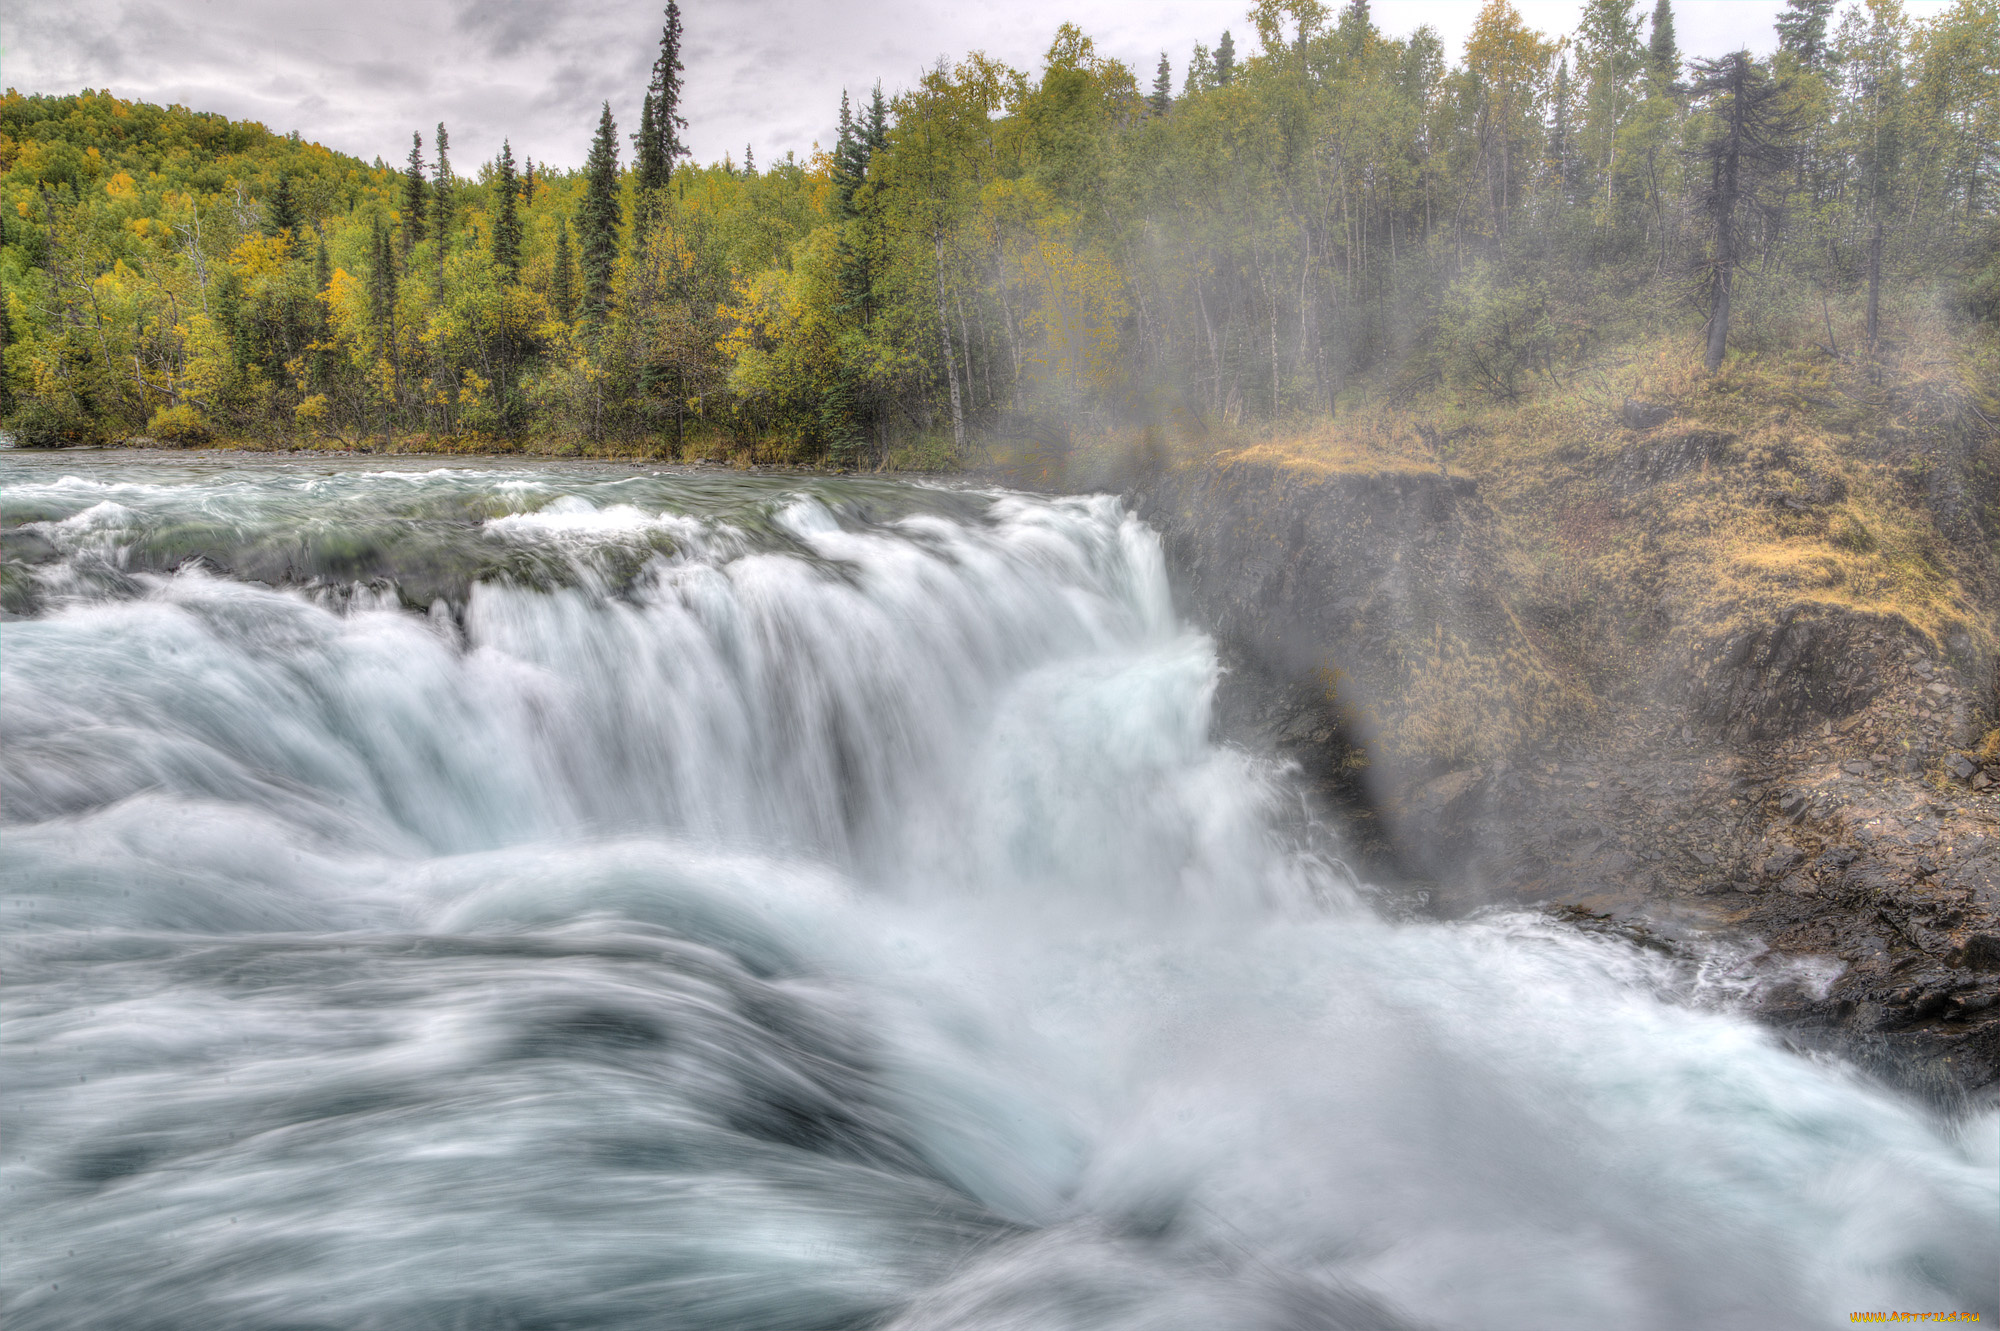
571	896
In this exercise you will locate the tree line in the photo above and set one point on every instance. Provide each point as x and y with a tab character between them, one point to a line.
1252	239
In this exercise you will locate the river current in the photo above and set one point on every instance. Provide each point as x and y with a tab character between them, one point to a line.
544	896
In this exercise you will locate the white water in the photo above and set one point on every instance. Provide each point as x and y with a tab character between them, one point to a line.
810	906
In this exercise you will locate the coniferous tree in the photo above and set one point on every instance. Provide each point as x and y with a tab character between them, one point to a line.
597	223
1225	60
1802	31
416	195
1663	52
6	341
562	289
1162	100
749	162
1562	130
646	145
283	219
850	161
322	359
441	191
528	183
877	133
1356	24
507	218
658	144
381	276
1747	145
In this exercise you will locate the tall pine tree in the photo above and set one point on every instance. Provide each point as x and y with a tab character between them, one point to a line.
416	195
441	190
1663	53
1747	146
1802	31
597	223
1162	100
1225	60
381	277
658	143
507	218
283	219
562	287
850	161
876	133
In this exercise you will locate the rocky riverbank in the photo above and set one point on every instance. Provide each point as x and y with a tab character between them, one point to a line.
1801	774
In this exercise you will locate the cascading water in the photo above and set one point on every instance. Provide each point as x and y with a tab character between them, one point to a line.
766	903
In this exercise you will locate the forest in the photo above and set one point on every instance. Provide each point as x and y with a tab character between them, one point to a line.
1309	215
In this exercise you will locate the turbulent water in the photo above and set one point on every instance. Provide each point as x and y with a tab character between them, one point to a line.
541	897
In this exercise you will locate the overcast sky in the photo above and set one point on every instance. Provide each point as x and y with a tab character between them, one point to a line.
359	75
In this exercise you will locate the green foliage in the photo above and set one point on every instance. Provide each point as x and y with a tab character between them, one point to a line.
600	218
181	426
1011	254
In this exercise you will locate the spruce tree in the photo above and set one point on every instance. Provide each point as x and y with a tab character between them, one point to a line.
1356	24
1802	31
1225	60
1562	133
507	218
416	195
6	341
1162	100
441	190
597	223
657	144
749	162
1748	147
562	290
877	133
850	161
282	219
1662	51
646	146
381	276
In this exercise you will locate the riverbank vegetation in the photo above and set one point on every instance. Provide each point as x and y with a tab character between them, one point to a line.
1321	224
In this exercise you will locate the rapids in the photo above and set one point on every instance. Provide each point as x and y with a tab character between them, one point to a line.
538	896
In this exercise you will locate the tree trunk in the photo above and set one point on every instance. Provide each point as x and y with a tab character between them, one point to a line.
1874	284
1726	168
950	364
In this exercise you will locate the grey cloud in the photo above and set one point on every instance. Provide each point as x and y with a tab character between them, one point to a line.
358	75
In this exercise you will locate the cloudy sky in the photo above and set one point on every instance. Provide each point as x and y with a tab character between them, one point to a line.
359	75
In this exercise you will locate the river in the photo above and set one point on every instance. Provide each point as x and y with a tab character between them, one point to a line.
515	895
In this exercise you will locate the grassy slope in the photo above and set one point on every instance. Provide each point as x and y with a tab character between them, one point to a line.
1791	478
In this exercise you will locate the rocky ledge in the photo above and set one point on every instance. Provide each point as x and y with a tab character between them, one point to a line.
1804	783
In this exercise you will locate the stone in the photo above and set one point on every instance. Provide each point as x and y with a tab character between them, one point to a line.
1639	415
1981	781
1781	862
1961	767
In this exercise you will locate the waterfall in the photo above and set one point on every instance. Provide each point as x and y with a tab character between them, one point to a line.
553	895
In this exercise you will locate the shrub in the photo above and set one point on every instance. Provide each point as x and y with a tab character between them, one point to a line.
41	425
180	426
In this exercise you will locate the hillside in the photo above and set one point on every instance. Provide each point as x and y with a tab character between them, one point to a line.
1329	220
